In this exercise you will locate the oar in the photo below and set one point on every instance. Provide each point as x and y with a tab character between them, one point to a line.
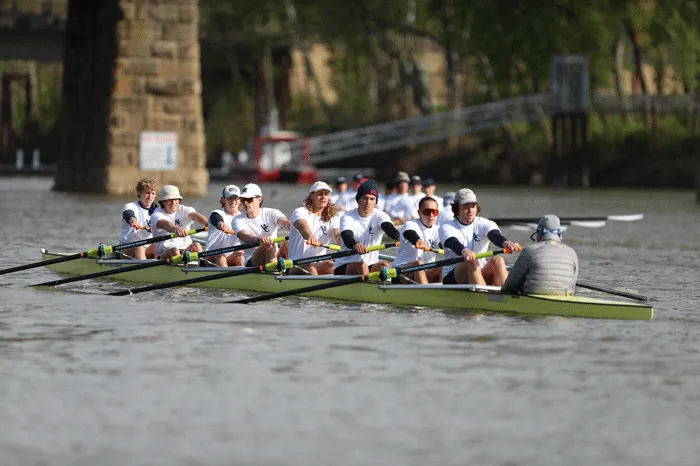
384	274
625	294
179	259
100	251
269	267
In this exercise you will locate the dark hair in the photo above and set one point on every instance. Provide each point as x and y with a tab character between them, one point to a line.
426	199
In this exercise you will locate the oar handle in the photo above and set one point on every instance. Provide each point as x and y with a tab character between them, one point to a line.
320	286
394	272
318	244
288	264
239	247
109	249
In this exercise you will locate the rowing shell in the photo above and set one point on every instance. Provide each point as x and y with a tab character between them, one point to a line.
461	297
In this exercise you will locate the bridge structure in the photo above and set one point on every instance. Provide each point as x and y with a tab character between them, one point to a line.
149	81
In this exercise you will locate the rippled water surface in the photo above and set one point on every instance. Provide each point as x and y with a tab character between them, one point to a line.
177	377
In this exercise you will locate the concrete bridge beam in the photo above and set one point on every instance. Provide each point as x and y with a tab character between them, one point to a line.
130	66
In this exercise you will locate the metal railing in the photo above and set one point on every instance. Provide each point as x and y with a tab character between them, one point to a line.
468	120
434	127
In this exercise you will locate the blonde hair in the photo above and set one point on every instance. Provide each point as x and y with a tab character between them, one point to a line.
327	213
146	184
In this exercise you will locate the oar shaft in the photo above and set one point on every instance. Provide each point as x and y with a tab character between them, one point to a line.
94	253
624	294
320	286
104	273
189	281
46	262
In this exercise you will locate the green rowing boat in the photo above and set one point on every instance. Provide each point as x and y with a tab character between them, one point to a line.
461	297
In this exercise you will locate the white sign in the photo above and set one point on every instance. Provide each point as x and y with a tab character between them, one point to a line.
158	151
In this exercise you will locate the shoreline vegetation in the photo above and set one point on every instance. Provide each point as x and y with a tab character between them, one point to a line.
360	64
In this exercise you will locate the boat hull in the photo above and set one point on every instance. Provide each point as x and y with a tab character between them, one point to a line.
459	297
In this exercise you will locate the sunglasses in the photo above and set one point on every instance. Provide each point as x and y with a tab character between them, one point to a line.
429	212
248	199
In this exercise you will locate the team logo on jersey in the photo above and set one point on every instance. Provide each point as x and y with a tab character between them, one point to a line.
265	227
475	237
148	223
370	230
324	229
178	222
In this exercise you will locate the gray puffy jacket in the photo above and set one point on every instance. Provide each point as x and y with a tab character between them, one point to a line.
547	267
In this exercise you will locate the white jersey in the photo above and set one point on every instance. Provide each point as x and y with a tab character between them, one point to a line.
367	231
179	218
446	215
410	205
408	253
217	239
143	216
346	201
298	249
395	206
265	224
472	236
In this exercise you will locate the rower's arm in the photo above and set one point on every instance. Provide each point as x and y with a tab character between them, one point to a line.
217	221
167	225
335	234
454	245
303	227
499	240
411	236
285	223
348	238
129	216
246	237
199	218
391	231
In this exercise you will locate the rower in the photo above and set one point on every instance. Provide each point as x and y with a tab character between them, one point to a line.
429	188
136	221
446	213
258	224
173	217
410	202
546	267
468	234
317	222
221	234
394	205
362	227
416	236
338	197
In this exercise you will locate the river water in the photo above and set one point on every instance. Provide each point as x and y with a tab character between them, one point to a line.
179	378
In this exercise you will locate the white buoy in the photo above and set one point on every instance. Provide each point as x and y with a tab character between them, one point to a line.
19	160
36	163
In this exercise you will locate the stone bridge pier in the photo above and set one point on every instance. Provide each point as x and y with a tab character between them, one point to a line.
130	66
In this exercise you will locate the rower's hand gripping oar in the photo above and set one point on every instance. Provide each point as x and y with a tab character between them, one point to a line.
98	252
269	267
383	275
184	258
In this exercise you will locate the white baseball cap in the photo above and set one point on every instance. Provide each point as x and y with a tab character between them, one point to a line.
318	186
250	190
231	191
169	192
465	196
